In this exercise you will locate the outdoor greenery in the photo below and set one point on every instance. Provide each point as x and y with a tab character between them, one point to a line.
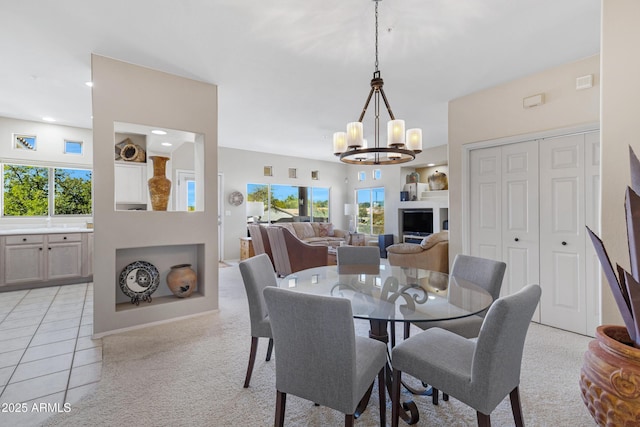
26	191
285	200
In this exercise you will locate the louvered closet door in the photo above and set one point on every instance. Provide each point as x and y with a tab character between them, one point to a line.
562	237
520	220
485	205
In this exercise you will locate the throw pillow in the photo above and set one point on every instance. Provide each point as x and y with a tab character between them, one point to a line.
434	239
325	229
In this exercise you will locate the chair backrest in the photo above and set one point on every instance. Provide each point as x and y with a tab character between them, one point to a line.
315	341
257	274
279	250
497	358
359	255
484	272
260	240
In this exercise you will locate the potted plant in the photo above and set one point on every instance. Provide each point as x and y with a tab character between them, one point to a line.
610	375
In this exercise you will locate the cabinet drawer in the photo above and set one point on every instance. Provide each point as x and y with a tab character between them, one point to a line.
24	239
61	238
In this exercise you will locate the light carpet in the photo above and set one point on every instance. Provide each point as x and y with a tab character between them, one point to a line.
190	373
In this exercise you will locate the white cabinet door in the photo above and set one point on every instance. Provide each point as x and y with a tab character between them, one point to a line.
593	274
562	236
23	263
64	260
131	183
89	253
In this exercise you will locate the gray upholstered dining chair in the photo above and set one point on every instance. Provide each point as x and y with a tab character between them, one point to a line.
257	274
479	372
319	356
484	272
364	259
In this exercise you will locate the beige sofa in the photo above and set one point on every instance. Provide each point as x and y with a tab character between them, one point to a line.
431	254
316	233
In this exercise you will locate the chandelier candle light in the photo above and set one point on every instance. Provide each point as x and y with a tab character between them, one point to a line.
401	147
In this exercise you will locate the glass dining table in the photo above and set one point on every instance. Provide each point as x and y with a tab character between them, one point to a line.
387	294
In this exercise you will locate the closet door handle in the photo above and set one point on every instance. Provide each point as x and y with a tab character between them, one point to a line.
564	243
516	239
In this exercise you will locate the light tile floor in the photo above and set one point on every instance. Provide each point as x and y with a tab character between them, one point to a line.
47	355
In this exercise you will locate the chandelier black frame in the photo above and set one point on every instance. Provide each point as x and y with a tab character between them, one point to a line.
393	153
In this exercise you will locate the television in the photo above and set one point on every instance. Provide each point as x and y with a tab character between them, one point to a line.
417	222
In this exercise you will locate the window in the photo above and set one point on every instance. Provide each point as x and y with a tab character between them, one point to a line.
73	147
26	191
290	203
370	217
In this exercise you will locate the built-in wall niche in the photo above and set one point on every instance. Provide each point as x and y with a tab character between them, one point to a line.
163	258
143	152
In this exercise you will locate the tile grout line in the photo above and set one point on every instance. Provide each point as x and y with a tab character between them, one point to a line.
32	336
75	347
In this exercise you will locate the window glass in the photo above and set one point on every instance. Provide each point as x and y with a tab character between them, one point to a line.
72	191
289	203
26	190
259	193
73	147
320	204
284	203
370	203
191	195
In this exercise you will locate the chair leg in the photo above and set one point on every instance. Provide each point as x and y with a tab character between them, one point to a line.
395	397
348	420
445	397
382	397
483	420
392	330
252	359
269	349
407	329
434	395
516	408
281	403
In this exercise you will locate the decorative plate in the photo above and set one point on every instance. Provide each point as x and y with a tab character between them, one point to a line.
139	280
236	198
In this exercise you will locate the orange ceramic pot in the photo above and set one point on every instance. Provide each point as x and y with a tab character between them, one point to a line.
182	280
610	378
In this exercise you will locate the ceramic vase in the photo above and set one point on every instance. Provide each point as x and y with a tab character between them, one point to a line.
438	181
182	280
159	184
610	378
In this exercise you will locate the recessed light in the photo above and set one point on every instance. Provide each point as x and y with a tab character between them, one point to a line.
167	144
48	119
90	84
158	132
431	164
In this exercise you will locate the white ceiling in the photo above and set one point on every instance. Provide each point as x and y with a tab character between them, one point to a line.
290	72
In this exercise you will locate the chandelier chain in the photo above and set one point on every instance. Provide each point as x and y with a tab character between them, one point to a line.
376	36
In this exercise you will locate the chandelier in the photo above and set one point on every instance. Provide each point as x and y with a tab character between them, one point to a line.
401	147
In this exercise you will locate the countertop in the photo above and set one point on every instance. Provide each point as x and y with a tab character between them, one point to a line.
45	230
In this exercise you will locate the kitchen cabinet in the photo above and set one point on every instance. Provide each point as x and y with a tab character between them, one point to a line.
131	183
45	259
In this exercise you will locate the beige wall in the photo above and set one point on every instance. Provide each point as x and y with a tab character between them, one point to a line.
497	113
619	126
127	93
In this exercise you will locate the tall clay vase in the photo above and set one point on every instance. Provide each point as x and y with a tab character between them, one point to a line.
610	378
182	280
159	184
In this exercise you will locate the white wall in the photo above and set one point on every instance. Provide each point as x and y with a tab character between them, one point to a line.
50	151
240	167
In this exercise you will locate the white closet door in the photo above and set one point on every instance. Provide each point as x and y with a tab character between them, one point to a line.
520	220
486	212
562	236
